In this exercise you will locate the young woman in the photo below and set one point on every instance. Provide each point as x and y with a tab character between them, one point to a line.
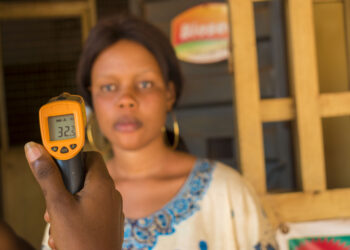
129	75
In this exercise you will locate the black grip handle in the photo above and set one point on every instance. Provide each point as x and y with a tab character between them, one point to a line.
73	172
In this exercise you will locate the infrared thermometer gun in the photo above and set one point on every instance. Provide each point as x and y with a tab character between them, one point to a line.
62	126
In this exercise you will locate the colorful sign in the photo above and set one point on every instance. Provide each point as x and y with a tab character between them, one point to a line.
201	34
321	243
316	235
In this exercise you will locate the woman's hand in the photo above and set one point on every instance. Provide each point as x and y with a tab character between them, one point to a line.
91	219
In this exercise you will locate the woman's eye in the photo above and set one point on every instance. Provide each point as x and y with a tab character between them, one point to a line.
108	87
145	84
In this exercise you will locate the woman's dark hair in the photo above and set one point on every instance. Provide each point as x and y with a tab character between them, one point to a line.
111	30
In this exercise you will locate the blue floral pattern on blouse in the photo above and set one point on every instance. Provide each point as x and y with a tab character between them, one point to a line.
267	247
143	233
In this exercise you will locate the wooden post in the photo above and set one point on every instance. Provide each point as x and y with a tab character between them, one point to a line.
302	54
85	25
347	32
247	94
93	12
42	9
88	19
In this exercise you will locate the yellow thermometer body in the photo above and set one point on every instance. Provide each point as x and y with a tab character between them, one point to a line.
62	125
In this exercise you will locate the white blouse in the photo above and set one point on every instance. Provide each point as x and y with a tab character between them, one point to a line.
215	209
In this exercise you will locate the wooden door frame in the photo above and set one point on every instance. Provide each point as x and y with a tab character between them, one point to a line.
85	10
306	106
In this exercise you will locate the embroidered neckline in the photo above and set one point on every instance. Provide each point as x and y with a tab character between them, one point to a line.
143	233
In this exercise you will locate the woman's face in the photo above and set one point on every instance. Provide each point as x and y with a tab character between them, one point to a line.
129	95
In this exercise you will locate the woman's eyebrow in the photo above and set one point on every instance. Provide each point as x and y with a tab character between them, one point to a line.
148	71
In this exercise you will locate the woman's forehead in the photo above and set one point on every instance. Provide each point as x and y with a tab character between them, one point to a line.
126	56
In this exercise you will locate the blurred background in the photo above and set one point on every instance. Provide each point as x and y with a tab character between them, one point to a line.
38	60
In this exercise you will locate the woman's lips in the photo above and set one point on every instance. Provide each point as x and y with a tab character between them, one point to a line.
127	124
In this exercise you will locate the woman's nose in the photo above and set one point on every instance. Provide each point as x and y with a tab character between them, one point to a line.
127	104
127	100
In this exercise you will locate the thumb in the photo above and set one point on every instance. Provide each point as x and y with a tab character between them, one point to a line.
47	175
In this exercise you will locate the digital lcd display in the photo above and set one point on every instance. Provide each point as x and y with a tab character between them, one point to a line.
62	127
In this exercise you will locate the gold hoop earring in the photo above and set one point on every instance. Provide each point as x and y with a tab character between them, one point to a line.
89	133
176	132
95	139
89	136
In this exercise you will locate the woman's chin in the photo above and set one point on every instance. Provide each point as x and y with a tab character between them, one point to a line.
130	147
132	143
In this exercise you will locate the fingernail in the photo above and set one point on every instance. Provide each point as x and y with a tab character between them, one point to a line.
32	150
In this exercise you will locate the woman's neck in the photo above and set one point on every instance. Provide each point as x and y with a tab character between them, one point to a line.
138	164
